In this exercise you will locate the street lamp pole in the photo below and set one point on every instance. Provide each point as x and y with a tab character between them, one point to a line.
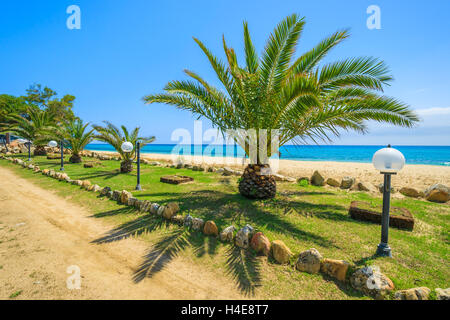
29	150
138	153
62	156
127	147
383	248
388	161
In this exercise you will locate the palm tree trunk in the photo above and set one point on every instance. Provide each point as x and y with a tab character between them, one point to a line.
126	166
40	151
75	158
7	138
256	183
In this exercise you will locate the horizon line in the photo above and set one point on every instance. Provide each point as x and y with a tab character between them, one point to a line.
296	145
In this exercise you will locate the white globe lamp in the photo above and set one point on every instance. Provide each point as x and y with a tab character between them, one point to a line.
388	161
127	147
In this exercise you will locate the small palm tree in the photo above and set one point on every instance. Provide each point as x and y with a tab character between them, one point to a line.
115	137
31	126
298	98
74	134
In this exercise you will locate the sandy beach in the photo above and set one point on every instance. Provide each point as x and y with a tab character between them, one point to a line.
416	176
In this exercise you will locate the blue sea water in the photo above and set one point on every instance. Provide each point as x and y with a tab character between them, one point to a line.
431	155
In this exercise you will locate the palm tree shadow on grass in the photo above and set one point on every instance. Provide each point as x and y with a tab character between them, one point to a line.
162	253
109	213
203	245
321	211
51	163
210	202
241	264
245	269
100	174
143	224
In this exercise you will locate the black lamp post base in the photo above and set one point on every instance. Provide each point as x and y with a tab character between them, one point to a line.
62	169
138	187
384	250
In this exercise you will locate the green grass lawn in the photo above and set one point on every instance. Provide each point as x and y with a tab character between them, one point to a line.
302	216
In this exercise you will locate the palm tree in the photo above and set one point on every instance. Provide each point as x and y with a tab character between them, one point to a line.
296	98
31	127
112	135
72	132
9	105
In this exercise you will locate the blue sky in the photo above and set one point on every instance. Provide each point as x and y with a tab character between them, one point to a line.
127	49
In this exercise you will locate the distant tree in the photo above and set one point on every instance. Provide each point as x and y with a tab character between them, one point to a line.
9	105
31	127
115	137
45	99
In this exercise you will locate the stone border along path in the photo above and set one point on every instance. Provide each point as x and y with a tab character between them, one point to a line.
368	280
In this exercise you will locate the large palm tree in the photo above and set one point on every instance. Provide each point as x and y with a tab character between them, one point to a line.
297	99
74	134
115	137
31	127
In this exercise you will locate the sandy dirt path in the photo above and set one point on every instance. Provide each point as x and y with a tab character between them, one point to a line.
41	235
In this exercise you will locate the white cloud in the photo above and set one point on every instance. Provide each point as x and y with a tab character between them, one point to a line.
433	111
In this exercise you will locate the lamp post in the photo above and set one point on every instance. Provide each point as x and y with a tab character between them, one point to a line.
5	141
53	144
138	164
62	155
28	144
128	147
388	161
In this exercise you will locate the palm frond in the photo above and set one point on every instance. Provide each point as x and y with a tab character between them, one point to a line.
310	59
367	72
278	52
251	57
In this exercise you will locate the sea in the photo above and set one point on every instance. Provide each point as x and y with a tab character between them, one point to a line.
429	155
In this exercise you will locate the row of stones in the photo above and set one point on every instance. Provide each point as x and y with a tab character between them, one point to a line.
368	280
435	193
14	149
21	148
